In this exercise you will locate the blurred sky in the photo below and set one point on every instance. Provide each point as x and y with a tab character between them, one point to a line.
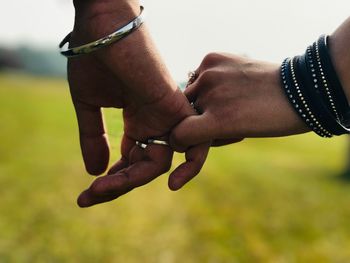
185	30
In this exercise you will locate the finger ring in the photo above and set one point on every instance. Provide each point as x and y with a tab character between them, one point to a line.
192	76
141	145
194	107
158	142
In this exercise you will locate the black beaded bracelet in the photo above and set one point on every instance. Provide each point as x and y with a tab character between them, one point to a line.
312	62
313	89
299	100
331	79
315	92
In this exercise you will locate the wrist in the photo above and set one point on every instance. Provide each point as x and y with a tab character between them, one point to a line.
97	18
339	53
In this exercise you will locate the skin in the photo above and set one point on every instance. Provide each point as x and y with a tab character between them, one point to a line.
235	98
339	48
242	98
130	75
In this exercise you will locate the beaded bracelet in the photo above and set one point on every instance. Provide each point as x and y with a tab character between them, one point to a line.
313	88
299	100
331	79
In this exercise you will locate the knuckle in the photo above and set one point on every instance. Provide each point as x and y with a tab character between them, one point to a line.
207	77
235	59
124	181
197	167
211	60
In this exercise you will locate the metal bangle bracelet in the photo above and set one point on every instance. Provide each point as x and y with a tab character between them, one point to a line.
158	142
105	41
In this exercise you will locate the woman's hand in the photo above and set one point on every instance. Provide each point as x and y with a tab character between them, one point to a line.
237	98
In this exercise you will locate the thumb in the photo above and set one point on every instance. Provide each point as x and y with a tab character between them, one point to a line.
193	130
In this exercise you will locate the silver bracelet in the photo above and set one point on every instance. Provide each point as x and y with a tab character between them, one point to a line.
105	41
158	142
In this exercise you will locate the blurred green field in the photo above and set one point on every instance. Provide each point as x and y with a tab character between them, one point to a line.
270	200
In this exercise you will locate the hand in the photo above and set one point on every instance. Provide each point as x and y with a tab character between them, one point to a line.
237	98
129	75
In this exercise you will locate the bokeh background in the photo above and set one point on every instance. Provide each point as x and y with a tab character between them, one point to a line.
263	200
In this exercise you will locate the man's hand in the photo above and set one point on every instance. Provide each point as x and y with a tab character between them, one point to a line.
130	75
236	98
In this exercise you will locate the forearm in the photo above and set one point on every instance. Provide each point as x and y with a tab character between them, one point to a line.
90	8
339	47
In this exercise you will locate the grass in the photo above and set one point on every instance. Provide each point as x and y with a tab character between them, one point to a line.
267	200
